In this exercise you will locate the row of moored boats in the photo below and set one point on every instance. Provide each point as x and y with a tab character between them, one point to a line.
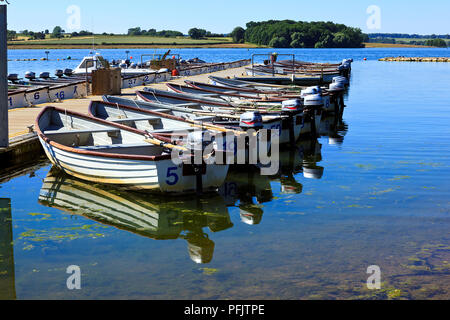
185	139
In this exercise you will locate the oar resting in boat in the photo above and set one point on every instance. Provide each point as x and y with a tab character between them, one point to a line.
105	152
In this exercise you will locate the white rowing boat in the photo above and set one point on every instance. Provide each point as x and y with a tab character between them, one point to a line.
101	151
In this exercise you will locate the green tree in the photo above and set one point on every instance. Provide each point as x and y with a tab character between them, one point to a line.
279	42
196	33
238	35
57	32
436	43
134	31
11	35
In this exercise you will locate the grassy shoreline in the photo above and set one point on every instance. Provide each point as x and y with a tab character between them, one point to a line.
131	46
155	43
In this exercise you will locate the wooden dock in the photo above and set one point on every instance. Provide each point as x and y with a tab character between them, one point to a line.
24	146
21	119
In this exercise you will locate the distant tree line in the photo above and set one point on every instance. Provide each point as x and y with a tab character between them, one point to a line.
152	32
82	33
299	34
196	33
422	41
436	43
407	36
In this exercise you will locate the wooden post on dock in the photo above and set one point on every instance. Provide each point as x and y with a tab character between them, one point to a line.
4	141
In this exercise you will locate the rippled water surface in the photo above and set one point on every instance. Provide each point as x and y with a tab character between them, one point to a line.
382	199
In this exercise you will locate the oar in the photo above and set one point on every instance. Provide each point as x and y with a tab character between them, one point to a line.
158	141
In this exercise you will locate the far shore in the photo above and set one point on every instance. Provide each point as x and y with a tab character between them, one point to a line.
186	46
132	46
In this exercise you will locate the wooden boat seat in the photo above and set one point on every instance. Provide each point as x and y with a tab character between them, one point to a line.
162	110
188	105
86	131
135	119
114	146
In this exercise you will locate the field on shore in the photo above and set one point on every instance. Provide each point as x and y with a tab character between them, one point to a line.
125	41
119	41
392	45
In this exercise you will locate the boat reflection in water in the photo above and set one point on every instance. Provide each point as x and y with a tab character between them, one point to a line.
334	128
163	218
150	216
247	189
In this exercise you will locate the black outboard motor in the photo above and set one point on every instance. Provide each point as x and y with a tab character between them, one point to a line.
197	141
30	75
59	73
68	72
44	75
290	108
13	77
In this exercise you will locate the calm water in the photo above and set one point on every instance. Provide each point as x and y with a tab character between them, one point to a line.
382	199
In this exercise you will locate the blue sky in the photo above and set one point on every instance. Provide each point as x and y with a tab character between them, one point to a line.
422	17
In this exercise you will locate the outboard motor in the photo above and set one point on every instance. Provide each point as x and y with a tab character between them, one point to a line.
313	100
68	72
30	75
336	86
289	107
13	77
59	73
123	65
44	75
310	90
312	103
198	141
251	120
292	105
342	79
133	66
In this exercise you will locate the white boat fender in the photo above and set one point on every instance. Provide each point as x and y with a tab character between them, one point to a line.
251	120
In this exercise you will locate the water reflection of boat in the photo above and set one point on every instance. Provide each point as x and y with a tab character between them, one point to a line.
247	189
334	128
150	216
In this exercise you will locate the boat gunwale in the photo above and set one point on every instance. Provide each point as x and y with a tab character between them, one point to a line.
90	152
